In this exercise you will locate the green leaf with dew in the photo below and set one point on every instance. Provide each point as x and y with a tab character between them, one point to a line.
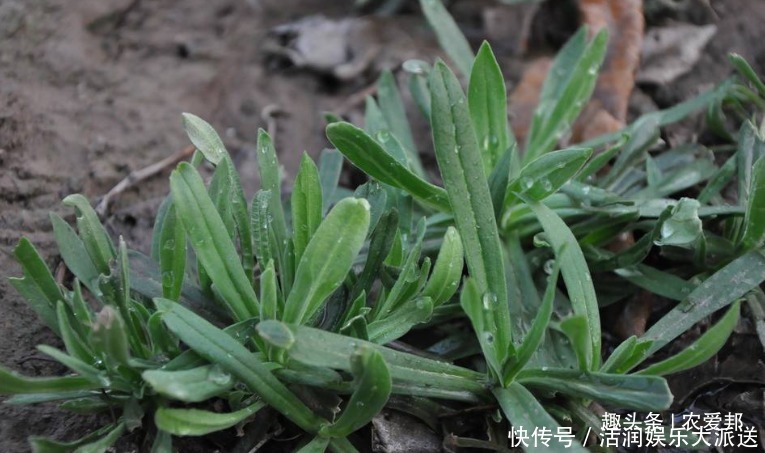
327	259
197	422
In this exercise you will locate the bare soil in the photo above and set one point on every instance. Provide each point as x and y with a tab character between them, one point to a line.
92	90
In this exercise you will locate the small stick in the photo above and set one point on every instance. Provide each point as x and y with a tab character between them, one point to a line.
269	114
355	99
140	175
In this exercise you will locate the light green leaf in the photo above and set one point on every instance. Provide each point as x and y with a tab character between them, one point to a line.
94	236
213	247
204	138
400	321
546	174
575	328
487	99
306	205
563	96
37	285
447	272
191	386
325	349
327	259
683	227
197	422
449	35
109	337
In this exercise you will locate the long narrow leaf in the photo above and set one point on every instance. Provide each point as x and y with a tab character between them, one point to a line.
306	205
647	393
526	412
581	291
373	386
459	160
218	347
214	248
197	422
701	350
327	259
721	289
449	35
487	98
364	152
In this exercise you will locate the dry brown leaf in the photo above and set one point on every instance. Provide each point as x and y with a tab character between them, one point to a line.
607	110
624	21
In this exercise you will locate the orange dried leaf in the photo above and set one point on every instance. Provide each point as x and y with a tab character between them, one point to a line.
607	111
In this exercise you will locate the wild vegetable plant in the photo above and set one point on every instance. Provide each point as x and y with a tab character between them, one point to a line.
292	304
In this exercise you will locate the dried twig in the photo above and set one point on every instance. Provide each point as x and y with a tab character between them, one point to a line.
141	175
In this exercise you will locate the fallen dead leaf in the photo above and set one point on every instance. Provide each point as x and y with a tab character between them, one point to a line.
669	52
607	110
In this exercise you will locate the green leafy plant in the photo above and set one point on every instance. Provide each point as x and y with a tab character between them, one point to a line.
294	303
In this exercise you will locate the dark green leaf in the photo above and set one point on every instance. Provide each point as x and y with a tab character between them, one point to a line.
459	160
721	289
392	108
526	412
575	272
75	255
754	230
536	333
701	350
94	236
330	165
567	94
12	383
372	388
218	347
645	393
370	157
172	254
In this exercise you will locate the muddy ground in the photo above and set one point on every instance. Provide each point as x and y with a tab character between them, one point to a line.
92	90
